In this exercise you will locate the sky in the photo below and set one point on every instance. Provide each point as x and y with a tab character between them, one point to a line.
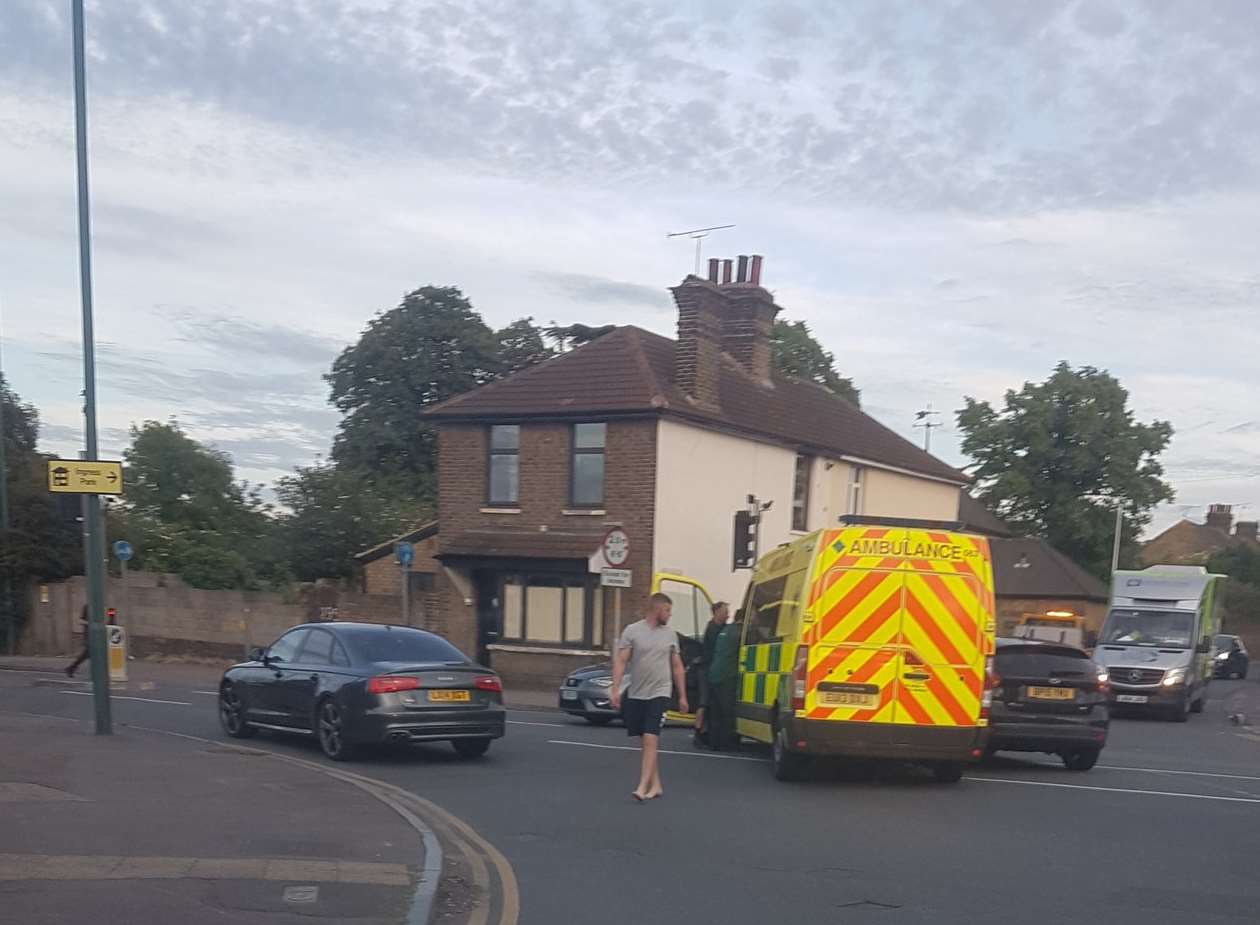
955	196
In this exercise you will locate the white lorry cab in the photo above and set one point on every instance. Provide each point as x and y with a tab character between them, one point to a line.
1156	643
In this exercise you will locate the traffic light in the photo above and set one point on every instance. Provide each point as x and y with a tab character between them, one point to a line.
745	555
111	615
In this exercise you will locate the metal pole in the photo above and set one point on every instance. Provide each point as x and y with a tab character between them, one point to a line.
406	596
1115	547
93	542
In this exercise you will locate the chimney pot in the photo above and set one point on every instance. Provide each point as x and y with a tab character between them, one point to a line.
754	275
742	275
1220	516
726	271
713	269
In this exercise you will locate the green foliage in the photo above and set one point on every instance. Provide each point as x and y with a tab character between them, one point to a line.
568	336
333	513
1241	563
794	352
1059	456
431	347
521	344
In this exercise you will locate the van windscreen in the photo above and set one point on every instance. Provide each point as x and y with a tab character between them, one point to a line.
1157	628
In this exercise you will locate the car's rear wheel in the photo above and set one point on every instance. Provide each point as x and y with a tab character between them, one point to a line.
330	726
786	765
232	714
947	772
1082	759
471	748
595	720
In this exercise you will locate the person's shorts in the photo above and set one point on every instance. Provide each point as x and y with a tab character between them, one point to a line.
644	717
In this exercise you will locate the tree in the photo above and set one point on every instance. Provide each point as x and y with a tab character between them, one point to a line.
568	336
333	512
520	344
1061	454
1241	563
432	346
794	352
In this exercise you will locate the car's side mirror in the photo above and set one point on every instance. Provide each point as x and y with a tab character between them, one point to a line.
1205	646
257	654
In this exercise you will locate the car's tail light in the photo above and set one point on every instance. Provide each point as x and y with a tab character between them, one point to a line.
392	684
489	683
992	682
800	673
1104	682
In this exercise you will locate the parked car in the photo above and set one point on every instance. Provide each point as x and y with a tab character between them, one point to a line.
585	693
1230	658
354	684
1049	698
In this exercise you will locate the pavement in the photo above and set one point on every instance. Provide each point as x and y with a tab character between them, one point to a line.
1165	830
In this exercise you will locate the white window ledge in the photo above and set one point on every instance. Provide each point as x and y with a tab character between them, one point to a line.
584	512
500	510
546	650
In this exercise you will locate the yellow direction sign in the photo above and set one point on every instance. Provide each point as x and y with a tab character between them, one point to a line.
85	477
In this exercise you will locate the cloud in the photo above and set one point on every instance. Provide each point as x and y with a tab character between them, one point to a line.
594	289
234	336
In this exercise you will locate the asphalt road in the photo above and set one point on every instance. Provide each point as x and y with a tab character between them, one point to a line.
1165	829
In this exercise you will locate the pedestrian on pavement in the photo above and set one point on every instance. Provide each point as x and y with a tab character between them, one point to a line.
723	684
87	648
720	616
648	649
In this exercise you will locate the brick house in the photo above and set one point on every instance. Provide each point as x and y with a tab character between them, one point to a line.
665	439
1190	543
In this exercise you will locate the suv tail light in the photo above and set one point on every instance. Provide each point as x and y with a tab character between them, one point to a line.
489	683
1104	681
992	682
800	672
392	684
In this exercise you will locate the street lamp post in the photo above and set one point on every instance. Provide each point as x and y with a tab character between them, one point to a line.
1115	546
93	541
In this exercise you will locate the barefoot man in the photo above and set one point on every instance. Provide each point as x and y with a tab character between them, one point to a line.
649	649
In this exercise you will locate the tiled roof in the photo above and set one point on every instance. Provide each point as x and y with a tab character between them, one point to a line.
1047	574
1186	543
522	544
975	515
631	370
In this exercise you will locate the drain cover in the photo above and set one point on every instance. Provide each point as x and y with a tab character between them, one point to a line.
301	894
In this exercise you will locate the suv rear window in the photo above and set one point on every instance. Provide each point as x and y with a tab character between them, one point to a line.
396	644
1032	662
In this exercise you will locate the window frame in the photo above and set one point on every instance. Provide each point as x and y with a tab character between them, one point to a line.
589	584
491	453
300	632
312	633
801	491
574	452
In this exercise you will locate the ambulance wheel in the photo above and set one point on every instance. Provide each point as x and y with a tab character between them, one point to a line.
947	772
786	765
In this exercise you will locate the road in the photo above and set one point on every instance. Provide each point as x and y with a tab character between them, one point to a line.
1166	827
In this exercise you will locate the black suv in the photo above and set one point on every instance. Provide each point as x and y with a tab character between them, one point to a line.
1050	698
1230	658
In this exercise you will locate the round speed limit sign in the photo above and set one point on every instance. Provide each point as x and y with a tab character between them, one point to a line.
616	547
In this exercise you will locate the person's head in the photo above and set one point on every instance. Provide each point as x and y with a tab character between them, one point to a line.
660	606
721	613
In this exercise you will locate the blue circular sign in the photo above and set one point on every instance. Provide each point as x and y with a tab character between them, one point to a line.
123	550
405	552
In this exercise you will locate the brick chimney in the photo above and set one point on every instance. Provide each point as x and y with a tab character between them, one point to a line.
698	353
747	317
1248	530
1220	516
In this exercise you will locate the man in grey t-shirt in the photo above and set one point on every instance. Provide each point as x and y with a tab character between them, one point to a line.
649	649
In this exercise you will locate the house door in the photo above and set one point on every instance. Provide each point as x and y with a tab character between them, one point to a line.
489	613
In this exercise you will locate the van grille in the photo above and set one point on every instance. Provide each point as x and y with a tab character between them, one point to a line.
1136	675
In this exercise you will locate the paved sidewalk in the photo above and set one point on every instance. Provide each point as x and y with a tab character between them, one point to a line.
145	827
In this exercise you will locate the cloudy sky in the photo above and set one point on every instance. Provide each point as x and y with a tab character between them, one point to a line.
955	195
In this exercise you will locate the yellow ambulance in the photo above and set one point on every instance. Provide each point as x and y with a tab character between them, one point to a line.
872	640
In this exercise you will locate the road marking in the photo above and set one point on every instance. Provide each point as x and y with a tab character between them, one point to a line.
521	722
211	693
1107	767
661	751
1149	793
178	703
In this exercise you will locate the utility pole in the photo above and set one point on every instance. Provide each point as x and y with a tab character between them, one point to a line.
924	419
1115	546
93	541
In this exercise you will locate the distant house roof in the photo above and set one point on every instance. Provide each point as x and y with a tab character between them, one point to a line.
1031	567
630	371
422	532
1186	543
975	515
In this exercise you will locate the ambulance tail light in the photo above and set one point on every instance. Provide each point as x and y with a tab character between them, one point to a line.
800	672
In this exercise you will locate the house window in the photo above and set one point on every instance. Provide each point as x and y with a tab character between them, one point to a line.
587	480
505	463
551	610
800	492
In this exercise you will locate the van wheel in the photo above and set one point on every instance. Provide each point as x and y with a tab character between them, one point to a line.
1080	760
947	772
1197	706
786	766
1181	712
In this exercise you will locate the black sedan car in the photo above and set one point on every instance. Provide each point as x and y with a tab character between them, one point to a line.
1230	658
1050	698
355	684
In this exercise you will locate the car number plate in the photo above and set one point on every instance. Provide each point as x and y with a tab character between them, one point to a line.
449	696
568	695
1051	693
847	699
1131	698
